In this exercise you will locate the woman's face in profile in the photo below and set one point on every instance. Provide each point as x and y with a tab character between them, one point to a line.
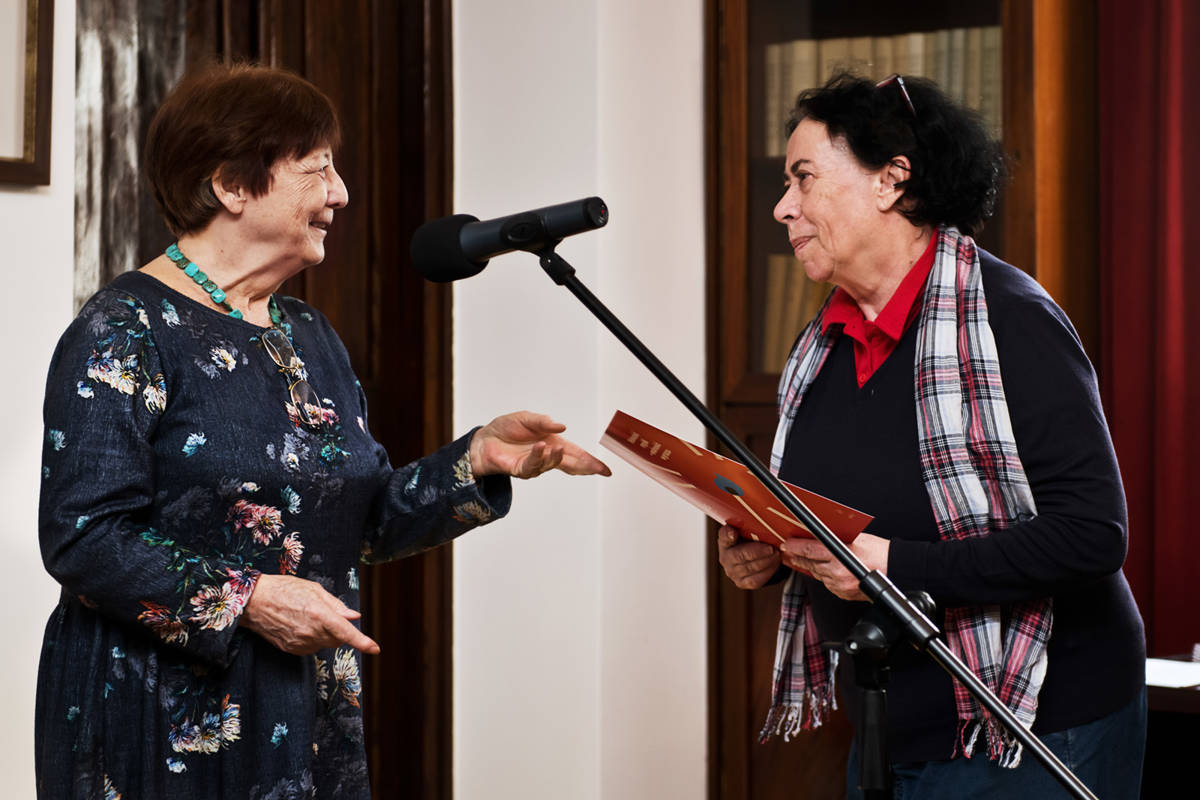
829	203
297	211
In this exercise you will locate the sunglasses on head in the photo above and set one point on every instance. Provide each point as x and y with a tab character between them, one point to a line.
899	81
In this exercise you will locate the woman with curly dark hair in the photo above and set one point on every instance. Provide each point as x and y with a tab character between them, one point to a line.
943	391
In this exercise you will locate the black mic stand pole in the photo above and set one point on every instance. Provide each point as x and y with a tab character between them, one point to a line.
920	631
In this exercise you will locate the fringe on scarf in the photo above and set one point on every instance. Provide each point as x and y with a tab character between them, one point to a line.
789	719
1002	746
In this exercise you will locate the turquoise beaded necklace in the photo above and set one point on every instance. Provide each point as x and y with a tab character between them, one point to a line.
202	280
215	292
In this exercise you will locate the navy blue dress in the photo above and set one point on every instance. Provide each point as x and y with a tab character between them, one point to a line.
175	472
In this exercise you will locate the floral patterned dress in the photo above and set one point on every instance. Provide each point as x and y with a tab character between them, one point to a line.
175	472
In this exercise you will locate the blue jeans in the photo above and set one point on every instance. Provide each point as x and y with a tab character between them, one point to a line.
1106	755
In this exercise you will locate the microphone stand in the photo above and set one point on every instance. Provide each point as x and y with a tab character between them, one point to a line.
917	627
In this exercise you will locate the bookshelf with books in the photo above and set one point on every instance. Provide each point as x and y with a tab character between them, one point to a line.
1024	66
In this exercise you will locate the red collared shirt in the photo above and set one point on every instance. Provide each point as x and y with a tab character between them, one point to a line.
874	340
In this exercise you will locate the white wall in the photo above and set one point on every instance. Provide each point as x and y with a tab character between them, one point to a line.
37	229
580	619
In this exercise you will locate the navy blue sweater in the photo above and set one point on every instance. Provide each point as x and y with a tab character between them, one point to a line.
859	446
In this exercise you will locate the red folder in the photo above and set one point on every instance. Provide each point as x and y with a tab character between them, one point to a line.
723	488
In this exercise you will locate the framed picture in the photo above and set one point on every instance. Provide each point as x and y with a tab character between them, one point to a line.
26	54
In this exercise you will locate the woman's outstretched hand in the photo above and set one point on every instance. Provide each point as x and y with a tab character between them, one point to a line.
524	445
299	617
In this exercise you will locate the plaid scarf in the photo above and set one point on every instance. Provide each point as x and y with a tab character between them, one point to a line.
976	485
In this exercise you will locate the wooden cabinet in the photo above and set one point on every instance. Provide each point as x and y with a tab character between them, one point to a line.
1045	109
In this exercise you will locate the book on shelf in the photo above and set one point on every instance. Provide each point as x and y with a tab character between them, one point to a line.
862	50
802	71
956	63
772	310
773	80
790	301
991	79
972	67
795	290
883	56
937	58
831	55
909	54
723	488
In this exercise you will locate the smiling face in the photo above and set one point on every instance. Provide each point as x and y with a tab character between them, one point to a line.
832	206
295	214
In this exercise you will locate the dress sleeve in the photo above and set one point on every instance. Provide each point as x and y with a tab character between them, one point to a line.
430	502
1079	533
105	395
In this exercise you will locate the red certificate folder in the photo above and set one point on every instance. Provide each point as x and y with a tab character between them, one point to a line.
722	488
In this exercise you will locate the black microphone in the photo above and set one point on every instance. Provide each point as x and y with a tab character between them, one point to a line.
460	246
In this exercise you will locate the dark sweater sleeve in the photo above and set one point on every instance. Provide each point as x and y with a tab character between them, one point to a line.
1079	533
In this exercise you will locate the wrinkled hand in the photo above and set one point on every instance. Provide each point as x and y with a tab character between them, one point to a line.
748	564
299	617
525	445
813	557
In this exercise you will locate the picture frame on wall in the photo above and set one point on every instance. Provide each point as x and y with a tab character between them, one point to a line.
26	56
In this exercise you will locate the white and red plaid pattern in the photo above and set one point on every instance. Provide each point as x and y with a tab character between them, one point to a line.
976	484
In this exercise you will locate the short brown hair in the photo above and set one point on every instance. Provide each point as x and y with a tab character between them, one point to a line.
237	120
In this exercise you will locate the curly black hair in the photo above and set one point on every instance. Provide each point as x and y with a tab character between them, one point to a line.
957	167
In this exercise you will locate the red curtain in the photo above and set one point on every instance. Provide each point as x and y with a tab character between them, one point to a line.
1149	116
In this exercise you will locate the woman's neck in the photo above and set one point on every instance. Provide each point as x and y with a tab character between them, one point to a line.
247	279
888	264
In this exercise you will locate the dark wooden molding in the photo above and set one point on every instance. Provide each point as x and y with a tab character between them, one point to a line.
33	167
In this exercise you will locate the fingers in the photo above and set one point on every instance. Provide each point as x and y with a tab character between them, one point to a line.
807	549
727	537
524	444
748	564
300	617
345	632
814	558
537	424
561	454
552	455
341	608
577	461
542	457
540	423
340	628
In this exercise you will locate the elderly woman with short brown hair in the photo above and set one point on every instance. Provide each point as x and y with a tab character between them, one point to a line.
210	482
